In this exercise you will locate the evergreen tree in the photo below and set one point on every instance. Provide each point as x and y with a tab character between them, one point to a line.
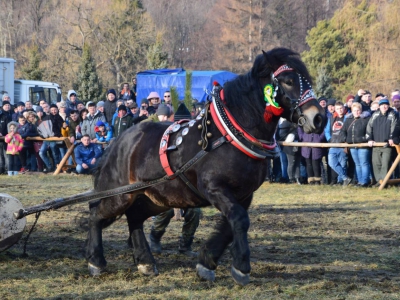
323	85
188	100
33	71
156	58
174	98
340	46
88	83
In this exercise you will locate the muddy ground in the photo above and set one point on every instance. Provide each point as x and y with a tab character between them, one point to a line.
306	242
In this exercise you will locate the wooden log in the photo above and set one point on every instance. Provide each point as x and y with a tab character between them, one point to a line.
392	168
329	145
64	159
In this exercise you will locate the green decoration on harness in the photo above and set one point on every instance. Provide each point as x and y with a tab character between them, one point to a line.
269	96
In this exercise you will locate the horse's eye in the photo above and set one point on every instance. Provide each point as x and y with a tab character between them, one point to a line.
289	82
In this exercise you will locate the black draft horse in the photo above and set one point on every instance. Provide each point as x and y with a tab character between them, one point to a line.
226	177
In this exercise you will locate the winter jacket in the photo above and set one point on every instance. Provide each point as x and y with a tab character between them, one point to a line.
70	105
383	127
129	96
316	152
16	115
84	155
72	127
364	106
109	109
333	127
57	123
5	118
28	129
15	143
284	129
106	137
121	124
89	124
354	130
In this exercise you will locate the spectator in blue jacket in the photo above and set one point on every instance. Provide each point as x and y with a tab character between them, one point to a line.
103	134
86	155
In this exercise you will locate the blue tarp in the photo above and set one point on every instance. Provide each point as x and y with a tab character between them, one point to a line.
161	80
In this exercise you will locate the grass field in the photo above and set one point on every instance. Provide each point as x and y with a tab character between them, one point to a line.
307	242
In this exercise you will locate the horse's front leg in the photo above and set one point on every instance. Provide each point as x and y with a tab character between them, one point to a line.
94	243
232	227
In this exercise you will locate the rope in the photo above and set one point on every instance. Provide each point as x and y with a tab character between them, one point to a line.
30	231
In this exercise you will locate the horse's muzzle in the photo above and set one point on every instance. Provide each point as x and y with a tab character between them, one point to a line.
316	125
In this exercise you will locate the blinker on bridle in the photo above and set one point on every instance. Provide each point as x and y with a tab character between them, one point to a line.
296	104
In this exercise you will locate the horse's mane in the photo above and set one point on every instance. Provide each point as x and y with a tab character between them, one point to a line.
244	93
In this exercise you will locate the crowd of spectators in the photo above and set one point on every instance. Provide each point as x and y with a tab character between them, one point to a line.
356	120
91	126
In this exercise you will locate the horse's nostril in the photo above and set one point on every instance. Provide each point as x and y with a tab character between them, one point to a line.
318	121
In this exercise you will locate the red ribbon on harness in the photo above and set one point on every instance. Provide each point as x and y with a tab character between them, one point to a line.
271	111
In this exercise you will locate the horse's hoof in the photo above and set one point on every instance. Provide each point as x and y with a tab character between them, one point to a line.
148	270
239	277
94	271
204	273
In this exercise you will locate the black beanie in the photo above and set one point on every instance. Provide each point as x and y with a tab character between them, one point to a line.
182	113
122	107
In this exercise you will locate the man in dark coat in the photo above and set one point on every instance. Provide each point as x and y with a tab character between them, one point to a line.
383	126
110	106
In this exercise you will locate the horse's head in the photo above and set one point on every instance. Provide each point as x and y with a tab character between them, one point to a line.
288	90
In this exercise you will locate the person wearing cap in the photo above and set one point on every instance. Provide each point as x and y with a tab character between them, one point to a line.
6	97
191	215
137	113
103	134
62	109
123	121
110	105
119	103
322	101
163	112
396	102
72	101
20	111
154	101
382	127
89	123
348	103
100	106
330	107
337	157
5	118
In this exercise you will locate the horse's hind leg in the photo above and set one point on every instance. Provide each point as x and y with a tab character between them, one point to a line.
232	227
140	210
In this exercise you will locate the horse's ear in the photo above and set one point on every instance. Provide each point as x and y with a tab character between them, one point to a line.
267	58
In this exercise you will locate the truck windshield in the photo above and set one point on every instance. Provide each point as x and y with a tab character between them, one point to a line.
49	94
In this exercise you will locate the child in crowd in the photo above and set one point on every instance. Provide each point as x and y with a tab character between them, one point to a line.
103	134
15	144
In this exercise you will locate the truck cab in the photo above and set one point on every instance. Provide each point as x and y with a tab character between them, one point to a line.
34	91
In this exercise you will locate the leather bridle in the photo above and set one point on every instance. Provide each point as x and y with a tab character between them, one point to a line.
305	96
